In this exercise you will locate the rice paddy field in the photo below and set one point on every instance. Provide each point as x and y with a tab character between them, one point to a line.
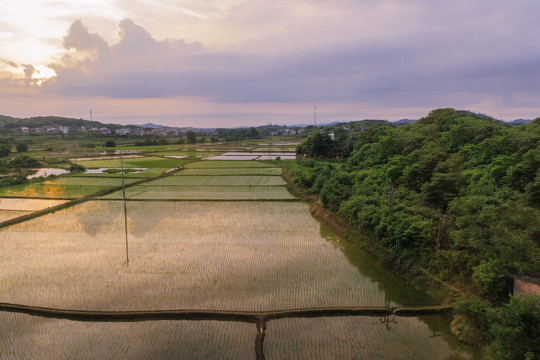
136	162
207	255
63	187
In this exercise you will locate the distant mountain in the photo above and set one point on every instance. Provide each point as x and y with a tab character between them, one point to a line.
9	123
519	121
404	121
153	126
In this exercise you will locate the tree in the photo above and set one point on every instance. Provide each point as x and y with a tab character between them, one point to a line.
110	143
21	148
191	137
4	150
317	145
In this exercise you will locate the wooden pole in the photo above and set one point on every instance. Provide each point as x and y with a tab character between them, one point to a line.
125	207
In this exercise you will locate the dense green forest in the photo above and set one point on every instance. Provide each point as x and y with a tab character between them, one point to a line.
456	193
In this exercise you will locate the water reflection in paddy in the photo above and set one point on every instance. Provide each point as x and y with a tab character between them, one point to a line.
204	255
44	172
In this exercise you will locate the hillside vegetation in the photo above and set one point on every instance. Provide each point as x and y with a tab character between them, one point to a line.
456	192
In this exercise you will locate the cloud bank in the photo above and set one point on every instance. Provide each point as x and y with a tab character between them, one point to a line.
367	58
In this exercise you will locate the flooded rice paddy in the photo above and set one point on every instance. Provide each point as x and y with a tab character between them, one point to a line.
44	172
209	255
115	170
254	156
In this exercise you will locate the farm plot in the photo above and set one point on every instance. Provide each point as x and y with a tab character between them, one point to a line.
27	204
217	192
255	156
228	164
230	171
138	173
248	180
146	162
363	338
24	337
12	214
188	255
64	187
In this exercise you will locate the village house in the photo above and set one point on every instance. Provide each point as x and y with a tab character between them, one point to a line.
527	285
123	131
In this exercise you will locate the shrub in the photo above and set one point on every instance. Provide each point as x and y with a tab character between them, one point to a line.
515	328
492	280
4	150
76	168
21	148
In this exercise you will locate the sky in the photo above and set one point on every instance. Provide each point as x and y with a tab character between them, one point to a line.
227	63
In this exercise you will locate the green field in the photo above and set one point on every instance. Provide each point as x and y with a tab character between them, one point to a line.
187	192
252	180
190	171
146	162
228	164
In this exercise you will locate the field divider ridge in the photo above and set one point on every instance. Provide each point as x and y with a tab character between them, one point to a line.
257	317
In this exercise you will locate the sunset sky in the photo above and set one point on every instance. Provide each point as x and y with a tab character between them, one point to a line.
225	63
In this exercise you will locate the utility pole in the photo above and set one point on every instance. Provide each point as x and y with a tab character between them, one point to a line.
90	114
391	199
125	207
439	234
314	116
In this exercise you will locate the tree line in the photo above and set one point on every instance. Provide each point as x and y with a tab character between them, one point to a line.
455	192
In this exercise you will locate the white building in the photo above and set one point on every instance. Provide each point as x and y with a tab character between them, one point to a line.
122	131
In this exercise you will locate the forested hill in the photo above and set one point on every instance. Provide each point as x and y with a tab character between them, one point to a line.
9	124
456	193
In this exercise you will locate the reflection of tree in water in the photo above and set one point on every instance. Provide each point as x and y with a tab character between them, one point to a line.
396	290
142	217
99	216
439	325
